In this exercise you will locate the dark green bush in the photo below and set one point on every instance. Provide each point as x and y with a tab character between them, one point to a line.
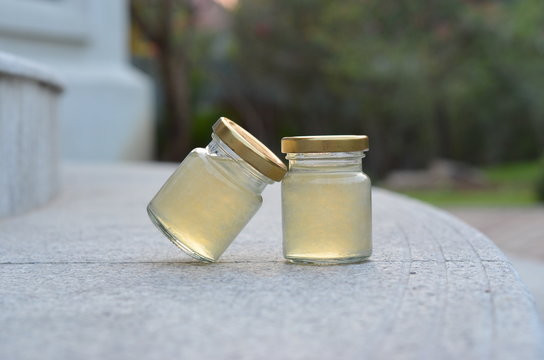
461	80
424	79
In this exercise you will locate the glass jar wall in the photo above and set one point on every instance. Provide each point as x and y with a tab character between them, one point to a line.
326	200
215	192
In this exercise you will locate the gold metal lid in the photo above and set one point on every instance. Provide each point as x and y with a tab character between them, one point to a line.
323	144
249	148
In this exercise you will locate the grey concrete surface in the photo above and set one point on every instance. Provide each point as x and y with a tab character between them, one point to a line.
532	274
89	277
519	232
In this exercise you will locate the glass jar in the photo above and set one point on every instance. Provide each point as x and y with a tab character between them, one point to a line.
215	191
326	200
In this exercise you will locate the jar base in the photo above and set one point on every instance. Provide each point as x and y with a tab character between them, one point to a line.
332	261
179	243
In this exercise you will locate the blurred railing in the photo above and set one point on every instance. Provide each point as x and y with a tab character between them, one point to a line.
28	135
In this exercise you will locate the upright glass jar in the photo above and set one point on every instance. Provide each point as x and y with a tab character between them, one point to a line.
326	201
215	191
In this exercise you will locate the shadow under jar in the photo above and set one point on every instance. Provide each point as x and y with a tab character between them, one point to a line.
326	200
215	191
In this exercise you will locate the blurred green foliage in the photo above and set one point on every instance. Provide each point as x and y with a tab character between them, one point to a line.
424	79
462	80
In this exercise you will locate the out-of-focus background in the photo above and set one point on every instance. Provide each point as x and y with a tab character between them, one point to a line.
450	93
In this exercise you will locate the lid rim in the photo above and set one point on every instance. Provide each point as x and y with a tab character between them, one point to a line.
324	144
249	148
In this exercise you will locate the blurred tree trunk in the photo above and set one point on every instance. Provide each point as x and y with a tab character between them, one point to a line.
442	129
156	21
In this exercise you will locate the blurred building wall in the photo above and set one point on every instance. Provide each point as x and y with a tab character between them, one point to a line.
106	111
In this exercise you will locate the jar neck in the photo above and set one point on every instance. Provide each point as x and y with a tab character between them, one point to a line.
242	173
326	162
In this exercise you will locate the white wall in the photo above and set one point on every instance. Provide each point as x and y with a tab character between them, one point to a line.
106	110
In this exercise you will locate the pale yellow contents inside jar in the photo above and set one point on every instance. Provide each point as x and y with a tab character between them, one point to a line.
326	216
201	209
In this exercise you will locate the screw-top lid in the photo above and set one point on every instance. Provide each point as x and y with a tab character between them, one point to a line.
249	149
324	144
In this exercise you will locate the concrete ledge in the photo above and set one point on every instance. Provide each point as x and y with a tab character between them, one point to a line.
17	67
29	169
89	277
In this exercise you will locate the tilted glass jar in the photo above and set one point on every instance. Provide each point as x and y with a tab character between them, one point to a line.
215	191
326	200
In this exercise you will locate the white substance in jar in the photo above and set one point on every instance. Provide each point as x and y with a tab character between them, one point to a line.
327	216
201	208
215	191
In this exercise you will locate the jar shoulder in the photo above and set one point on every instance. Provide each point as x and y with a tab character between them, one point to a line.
327	177
228	170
